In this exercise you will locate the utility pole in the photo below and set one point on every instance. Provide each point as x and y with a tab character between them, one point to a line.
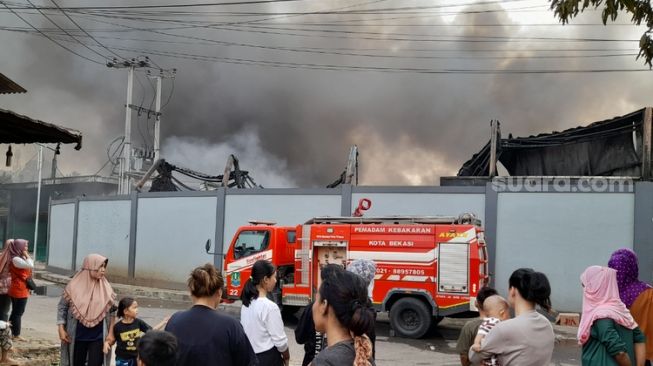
38	201
131	65
157	119
163	74
38	189
53	172
494	141
127	149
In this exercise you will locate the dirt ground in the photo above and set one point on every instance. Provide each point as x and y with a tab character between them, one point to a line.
437	348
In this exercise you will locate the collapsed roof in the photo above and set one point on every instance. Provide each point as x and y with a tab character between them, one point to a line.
604	148
19	129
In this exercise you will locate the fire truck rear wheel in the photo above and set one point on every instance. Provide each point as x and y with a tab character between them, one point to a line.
410	317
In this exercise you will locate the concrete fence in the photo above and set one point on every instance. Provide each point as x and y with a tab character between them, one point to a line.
157	238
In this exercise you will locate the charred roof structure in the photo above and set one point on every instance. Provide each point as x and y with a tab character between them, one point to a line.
164	181
620	146
8	86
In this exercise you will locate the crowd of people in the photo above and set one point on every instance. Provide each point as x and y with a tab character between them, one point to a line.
616	325
90	325
337	328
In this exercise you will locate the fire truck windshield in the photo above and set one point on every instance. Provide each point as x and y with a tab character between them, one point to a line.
250	242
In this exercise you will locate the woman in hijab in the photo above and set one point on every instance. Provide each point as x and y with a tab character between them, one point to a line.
83	315
11	251
635	294
607	333
20	267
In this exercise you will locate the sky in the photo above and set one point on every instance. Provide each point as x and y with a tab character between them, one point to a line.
289	86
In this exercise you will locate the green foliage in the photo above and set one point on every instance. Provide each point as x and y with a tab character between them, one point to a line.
640	11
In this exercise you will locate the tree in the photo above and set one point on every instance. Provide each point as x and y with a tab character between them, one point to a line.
640	10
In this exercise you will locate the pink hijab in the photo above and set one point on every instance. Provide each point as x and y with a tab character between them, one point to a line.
13	248
601	300
89	298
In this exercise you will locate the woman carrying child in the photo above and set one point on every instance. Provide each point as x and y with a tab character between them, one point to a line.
127	331
497	309
528	338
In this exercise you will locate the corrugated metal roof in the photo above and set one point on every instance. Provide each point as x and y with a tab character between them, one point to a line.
19	129
478	165
7	86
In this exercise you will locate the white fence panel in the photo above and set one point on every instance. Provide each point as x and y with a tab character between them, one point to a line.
103	228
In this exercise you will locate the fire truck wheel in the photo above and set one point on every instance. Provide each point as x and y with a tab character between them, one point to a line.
410	317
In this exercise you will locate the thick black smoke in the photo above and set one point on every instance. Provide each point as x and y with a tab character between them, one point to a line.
294	127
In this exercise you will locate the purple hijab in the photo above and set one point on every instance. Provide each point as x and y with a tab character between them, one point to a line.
624	261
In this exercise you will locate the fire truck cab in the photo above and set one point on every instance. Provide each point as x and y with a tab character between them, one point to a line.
427	267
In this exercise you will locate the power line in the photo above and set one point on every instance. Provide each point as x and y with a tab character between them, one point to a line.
165	5
48	37
224	43
333	67
330	52
396	36
213	24
294	16
172	90
427	35
375	11
82	29
448	57
452	25
343	51
68	34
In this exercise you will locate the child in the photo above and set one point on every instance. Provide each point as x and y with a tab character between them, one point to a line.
157	348
497	309
5	343
127	331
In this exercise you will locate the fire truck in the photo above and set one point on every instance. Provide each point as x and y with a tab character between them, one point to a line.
427	267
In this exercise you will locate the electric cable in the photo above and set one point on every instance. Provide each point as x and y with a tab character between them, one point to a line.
375	49
49	38
335	67
253	2
172	90
85	32
67	33
224	43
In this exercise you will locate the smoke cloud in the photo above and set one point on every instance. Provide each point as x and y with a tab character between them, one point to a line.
294	127
201	155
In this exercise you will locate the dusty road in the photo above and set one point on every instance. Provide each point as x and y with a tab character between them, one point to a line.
436	349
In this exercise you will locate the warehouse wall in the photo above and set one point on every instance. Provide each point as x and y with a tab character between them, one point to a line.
162	236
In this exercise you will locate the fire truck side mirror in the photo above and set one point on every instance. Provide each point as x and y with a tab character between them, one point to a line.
207	246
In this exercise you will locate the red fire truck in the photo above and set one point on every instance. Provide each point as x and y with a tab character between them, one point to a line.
428	267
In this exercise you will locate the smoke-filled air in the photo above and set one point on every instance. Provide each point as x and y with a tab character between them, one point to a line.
289	86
